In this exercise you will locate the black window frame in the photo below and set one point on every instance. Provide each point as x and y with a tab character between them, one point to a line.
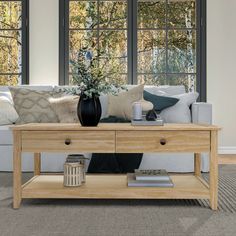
201	84
25	41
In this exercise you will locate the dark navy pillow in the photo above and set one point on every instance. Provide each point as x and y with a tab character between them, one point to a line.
159	102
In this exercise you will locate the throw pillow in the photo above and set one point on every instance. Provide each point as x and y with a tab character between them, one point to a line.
33	106
65	108
159	102
6	94
8	114
180	112
121	104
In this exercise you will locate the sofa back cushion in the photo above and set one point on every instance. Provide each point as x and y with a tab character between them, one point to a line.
164	89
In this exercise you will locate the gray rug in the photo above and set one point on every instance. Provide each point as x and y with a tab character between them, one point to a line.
120	217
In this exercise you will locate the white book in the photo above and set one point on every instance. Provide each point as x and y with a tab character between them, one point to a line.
160	174
132	182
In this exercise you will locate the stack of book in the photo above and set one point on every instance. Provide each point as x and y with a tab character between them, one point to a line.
149	178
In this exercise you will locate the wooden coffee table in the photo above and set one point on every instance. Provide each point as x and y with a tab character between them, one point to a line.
111	138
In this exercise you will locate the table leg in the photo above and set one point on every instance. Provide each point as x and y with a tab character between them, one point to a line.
17	192
197	164
37	163
214	171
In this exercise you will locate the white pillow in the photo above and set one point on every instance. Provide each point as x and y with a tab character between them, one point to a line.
180	112
6	94
8	114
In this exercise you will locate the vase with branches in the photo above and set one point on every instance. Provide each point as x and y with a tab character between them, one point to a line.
90	82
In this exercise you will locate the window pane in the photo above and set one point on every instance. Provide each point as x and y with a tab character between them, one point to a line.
182	13
151	51
79	41
121	79
114	78
10	48
182	51
83	14
189	81
113	14
151	14
149	79
10	80
113	49
10	15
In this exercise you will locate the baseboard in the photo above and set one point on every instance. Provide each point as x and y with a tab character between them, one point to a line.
227	150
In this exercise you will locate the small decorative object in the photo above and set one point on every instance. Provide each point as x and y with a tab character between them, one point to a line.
151	115
73	174
137	111
91	81
74	170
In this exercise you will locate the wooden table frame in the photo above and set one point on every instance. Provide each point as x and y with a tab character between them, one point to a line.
39	138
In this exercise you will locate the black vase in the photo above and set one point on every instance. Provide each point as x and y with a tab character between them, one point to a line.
89	110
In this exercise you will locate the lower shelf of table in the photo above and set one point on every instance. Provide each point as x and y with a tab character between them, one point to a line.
114	187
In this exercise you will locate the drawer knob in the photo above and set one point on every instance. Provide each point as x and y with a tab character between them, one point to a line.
67	142
163	141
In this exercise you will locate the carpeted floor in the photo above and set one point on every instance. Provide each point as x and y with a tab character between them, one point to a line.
119	218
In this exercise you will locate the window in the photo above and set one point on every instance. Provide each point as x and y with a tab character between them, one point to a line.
156	42
13	42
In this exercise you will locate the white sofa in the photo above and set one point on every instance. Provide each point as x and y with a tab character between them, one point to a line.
173	162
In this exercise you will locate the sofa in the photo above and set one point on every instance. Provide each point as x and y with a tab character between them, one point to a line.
173	162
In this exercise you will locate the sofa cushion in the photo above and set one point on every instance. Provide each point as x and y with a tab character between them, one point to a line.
66	108
121	104
180	112
8	114
33	106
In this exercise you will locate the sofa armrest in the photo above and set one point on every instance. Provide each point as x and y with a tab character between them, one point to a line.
201	113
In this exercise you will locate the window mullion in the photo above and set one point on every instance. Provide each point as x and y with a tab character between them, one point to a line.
130	41
134	46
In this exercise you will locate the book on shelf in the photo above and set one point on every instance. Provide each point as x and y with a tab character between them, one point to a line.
144	122
160	174
132	182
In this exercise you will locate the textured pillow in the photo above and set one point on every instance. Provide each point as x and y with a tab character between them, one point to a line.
6	94
180	112
33	106
121	104
8	114
65	108
159	102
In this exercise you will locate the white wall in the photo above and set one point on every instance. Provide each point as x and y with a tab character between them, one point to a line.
221	67
44	15
221	63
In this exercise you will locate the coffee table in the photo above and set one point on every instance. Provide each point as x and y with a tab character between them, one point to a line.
110	138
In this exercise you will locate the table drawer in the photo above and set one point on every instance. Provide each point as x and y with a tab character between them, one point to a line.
68	141
162	141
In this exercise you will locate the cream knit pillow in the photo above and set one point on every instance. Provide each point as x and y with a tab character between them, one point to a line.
65	108
121	104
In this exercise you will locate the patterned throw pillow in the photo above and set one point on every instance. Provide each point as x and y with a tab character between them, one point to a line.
33	106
